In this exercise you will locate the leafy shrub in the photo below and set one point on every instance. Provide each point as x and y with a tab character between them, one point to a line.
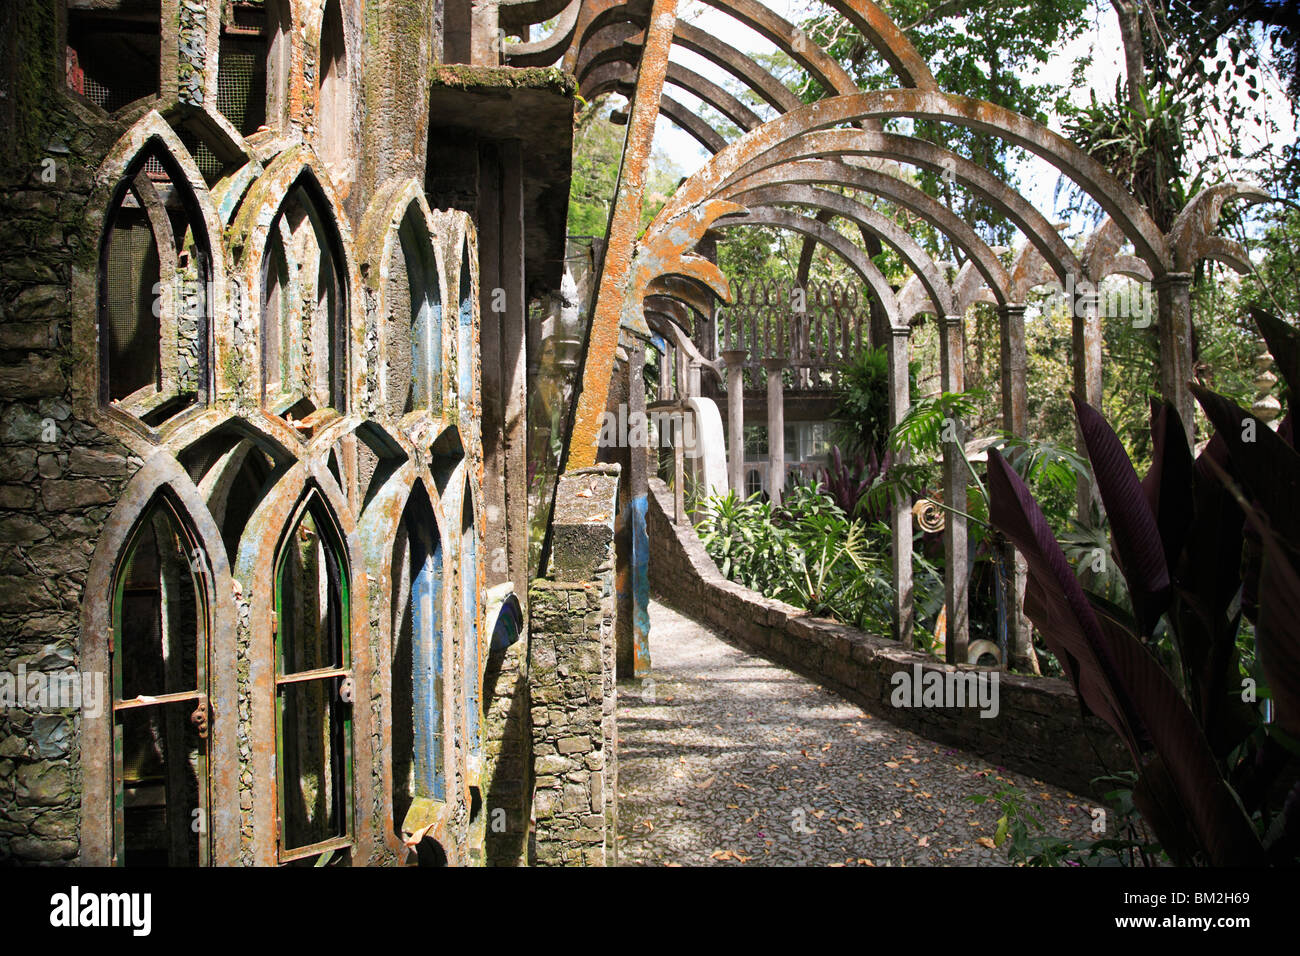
1201	544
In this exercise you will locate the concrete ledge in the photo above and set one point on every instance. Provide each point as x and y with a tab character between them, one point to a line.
1039	728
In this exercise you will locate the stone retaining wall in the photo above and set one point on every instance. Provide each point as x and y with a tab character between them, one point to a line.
1038	730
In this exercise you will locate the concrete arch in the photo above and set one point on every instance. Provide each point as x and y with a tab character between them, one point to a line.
160	475
111	181
378	241
377	532
866	218
249	237
259	552
898	192
851	254
1192	237
548	49
937	107
521	13
906	149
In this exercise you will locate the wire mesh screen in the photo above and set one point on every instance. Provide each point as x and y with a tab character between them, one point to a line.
241	83
111	62
209	165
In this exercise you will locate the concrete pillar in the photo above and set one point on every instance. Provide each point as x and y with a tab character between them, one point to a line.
900	520
1086	349
666	373
514	380
735	359
693	379
491	270
1174	297
614	284
1015	419
956	559
680	374
679	464
775	428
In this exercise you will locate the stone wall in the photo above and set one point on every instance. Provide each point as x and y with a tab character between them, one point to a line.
507	756
571	675
58	476
1038	730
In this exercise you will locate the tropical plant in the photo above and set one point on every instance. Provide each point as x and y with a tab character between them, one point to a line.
809	553
861	410
847	483
1200	543
1022	830
743	541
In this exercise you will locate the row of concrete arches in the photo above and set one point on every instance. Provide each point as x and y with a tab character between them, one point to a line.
799	167
266	314
288	598
272	650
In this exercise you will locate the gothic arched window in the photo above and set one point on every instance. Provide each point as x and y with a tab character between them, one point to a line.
159	666
314	688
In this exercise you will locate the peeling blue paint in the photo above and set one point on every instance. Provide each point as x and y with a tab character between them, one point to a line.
640	588
426	626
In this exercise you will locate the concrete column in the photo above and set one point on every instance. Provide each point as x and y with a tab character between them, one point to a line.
900	519
1174	296
679	464
680	374
1015	418
775	428
735	359
666	373
493	395
614	284
956	559
693	379
1086	344
514	379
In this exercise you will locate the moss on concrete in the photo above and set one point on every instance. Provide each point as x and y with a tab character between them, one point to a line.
32	64
461	76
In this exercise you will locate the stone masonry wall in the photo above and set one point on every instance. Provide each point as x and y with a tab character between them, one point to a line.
507	756
1039	728
569	746
571	673
58	476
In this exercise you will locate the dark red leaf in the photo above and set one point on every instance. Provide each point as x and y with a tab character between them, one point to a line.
1134	532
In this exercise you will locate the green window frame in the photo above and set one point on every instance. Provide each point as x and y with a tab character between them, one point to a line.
173	714
313	693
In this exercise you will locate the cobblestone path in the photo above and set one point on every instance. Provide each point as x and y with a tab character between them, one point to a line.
729	759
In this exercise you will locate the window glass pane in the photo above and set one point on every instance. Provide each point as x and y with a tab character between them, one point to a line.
161	765
310	601
313	722
158	627
469	590
130	325
312	778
